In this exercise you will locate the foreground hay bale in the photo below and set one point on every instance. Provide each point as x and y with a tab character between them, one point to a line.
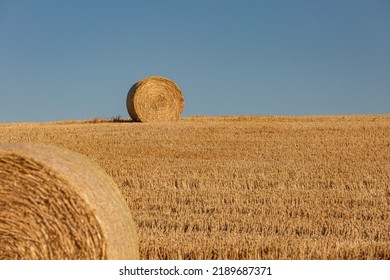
57	204
155	99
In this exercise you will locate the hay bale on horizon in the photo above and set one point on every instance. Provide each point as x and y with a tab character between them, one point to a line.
56	204
154	99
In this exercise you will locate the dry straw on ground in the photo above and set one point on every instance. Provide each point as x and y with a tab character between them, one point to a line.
57	204
155	99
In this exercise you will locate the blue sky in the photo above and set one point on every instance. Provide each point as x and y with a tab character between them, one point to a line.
64	60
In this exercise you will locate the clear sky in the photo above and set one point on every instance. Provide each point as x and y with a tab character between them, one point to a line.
63	60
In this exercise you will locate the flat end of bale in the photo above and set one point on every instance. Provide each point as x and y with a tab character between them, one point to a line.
56	204
155	99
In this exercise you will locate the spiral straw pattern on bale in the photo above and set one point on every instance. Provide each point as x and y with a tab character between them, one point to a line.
155	99
57	204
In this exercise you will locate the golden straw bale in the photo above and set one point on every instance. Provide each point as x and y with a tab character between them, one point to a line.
56	204
155	99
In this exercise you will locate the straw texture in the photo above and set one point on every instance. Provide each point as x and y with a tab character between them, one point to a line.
155	99
57	204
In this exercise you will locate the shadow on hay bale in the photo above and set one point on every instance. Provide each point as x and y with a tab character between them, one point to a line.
155	99
57	204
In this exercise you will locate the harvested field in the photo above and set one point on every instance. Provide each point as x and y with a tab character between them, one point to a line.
243	187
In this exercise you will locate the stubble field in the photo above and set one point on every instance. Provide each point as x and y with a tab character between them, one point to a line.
243	187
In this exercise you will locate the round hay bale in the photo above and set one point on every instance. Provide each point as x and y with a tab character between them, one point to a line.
155	99
56	204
